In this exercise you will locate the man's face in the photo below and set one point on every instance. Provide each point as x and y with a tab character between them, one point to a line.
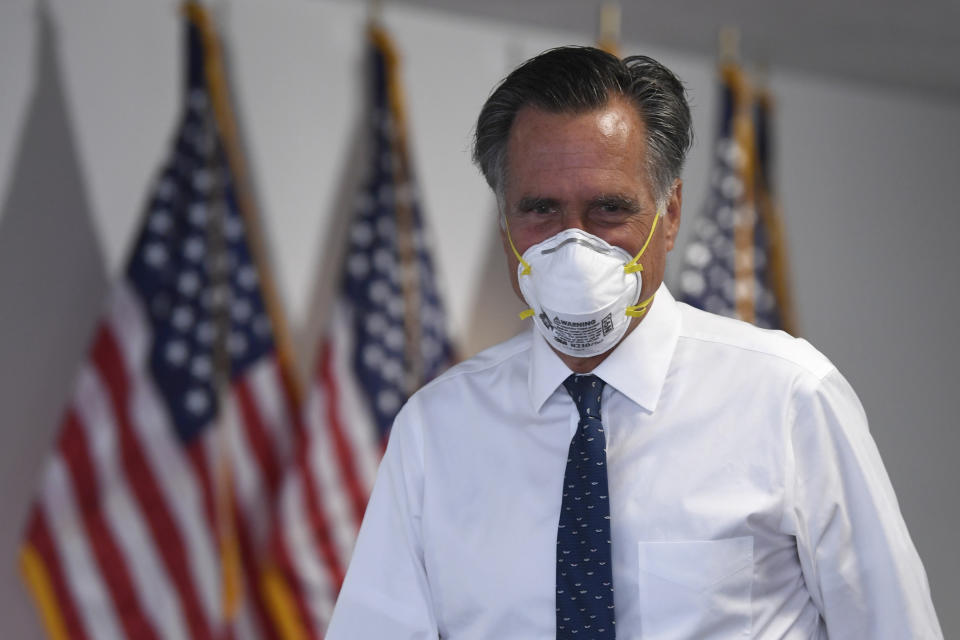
586	171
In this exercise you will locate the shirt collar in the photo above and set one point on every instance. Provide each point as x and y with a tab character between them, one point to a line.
637	367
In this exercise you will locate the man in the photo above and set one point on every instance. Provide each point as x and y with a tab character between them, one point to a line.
702	478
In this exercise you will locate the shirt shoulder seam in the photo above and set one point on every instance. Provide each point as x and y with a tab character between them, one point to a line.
818	372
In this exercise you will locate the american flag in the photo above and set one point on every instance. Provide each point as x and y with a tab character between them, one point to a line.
154	511
735	264
385	338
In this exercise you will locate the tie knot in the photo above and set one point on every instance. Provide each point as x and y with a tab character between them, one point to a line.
585	391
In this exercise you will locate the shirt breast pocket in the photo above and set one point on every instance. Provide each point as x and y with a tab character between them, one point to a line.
695	589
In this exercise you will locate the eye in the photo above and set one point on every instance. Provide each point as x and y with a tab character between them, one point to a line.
538	206
614	207
609	210
542	208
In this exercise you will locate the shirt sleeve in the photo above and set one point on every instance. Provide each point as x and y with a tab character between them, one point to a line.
385	593
860	566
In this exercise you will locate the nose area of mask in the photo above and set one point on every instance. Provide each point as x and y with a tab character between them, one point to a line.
578	272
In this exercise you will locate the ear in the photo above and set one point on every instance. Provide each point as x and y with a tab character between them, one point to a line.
671	219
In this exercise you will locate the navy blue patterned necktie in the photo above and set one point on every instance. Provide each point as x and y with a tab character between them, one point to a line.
584	571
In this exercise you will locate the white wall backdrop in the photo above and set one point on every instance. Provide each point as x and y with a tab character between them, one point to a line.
867	177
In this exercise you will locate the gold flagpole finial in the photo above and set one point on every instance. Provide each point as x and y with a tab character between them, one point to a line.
609	32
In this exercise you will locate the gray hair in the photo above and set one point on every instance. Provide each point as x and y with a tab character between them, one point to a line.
580	79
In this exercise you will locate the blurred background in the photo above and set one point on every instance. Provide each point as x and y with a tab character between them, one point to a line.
867	148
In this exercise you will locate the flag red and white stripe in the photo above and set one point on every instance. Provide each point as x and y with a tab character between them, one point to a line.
125	520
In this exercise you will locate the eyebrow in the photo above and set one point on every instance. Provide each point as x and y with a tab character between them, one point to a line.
616	200
532	202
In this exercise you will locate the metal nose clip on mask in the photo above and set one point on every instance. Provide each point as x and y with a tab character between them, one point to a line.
582	291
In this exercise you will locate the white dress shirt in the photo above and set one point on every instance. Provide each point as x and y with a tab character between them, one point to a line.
747	498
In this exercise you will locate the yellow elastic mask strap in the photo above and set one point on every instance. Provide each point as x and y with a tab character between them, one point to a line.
526	265
634	265
638	310
526	313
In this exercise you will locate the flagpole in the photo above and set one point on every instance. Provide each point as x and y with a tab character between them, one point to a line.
608	38
745	210
226	125
728	45
409	272
772	219
219	293
277	592
375	12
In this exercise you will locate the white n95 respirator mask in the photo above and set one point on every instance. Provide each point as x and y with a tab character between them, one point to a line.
582	291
